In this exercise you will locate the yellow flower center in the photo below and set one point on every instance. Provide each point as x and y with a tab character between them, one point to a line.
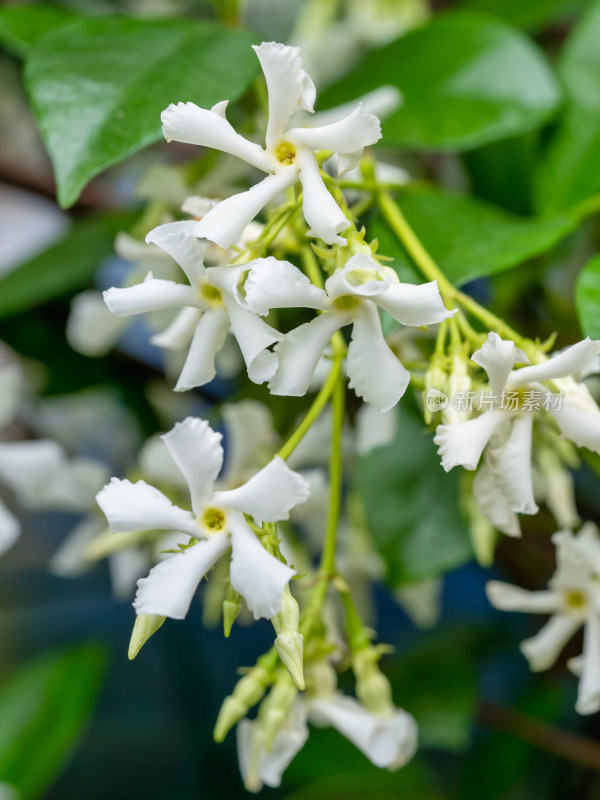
346	302
210	295
285	152
213	519
575	599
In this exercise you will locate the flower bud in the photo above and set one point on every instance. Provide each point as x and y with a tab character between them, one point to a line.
321	678
231	609
372	687
248	691
144	627
276	708
435	382
290	642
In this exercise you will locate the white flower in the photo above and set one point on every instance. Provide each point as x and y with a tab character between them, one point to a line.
209	310
572	599
11	388
217	519
503	486
352	297
289	153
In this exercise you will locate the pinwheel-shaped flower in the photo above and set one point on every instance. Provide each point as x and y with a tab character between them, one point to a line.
209	310
289	153
217	519
503	485
572	599
351	297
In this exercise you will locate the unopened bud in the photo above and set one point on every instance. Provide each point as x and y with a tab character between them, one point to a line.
435	387
459	384
290	648
144	627
321	678
231	609
248	691
276	708
288	619
372	687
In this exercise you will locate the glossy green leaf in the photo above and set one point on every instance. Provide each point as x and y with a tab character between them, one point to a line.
466	237
466	79
587	298
531	14
68	265
21	26
98	86
570	168
43	711
411	505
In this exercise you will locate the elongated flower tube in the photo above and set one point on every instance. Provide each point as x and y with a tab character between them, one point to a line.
208	311
503	485
352	296
216	519
573	600
288	156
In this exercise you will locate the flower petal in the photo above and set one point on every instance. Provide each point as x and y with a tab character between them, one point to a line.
325	218
462	443
493	503
374	428
10	529
257	575
288	85
208	339
375	373
170	585
187	123
197	451
348	135
254	336
180	332
269	495
11	384
26	466
137	507
579	418
414	305
70	558
91	328
570	361
543	649
272	283
249	434
126	567
150	295
225	223
511	465
299	352
506	597
588	696
156	463
497	357
178	240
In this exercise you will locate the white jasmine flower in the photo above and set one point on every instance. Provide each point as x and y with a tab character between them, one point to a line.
573	600
217	519
351	297
209	310
11	387
503	486
289	153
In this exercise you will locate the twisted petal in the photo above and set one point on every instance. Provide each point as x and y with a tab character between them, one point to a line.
257	575
225	223
571	360
138	507
250	433
588	696
288	85
325	218
208	339
150	295
387	741
197	451
254	336
543	649
373	370
91	328
497	357
348	135
299	353
180	332
414	305
156	463
462	443
579	418
187	123
170	585
10	529
511	465
178	240
493	503
269	495
278	284
512	598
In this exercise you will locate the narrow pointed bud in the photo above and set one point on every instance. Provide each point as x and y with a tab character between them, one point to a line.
145	626
372	687
275	709
435	387
248	691
459	383
482	532
321	678
230	611
290	648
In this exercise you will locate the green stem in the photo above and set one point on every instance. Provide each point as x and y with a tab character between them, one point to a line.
335	476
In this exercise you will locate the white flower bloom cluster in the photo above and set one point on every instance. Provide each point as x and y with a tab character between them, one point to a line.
573	600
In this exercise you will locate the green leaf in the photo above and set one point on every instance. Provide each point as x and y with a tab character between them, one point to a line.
411	505
21	26
569	171
98	86
43	710
70	264
466	237
587	298
466	80
531	14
